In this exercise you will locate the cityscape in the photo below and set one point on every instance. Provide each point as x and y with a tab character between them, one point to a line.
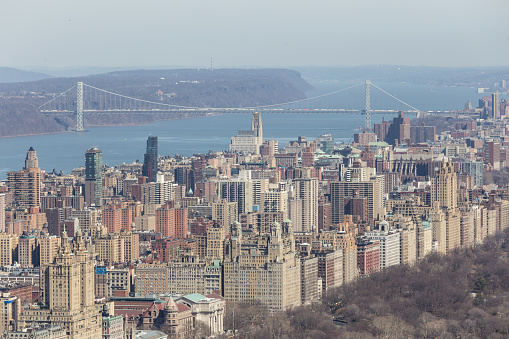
254	170
162	248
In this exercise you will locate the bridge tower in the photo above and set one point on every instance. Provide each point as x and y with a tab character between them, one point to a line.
79	108
368	106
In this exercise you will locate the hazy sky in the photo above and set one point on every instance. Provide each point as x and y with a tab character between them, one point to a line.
64	33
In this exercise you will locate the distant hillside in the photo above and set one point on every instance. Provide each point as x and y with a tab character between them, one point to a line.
434	76
185	87
8	75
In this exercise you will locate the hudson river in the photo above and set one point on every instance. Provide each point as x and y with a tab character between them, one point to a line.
66	151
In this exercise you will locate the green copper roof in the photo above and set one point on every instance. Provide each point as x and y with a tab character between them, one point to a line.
196	297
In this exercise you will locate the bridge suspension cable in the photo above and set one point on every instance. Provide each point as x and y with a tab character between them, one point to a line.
392	96
141	100
58	96
103	101
304	100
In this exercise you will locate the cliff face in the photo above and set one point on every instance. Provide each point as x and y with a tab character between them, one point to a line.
185	87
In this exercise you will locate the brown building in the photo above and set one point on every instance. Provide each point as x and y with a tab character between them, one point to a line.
368	256
172	222
422	134
117	218
364	138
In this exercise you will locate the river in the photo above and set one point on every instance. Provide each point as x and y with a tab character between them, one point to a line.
119	144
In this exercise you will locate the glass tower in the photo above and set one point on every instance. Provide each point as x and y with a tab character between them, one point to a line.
93	176
149	169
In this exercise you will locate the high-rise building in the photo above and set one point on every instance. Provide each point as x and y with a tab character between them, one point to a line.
444	199
368	256
390	244
31	160
492	154
399	130
224	212
26	184
9	313
237	190
8	249
249	140
444	186
263	268
172	222
382	129
325	143
495	106
372	190
27	254
117	218
149	168
2	212
306	189
67	288
48	249
93	176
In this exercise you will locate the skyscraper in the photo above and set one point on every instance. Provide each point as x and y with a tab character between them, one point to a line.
150	161
249	140
26	184
306	189
495	106
67	293
31	159
444	186
93	176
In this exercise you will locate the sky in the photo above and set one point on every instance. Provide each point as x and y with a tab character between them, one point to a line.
261	33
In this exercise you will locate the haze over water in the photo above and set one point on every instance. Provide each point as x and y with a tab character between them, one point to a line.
119	144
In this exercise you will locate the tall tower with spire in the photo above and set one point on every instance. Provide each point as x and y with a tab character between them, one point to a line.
249	140
26	184
256	125
31	160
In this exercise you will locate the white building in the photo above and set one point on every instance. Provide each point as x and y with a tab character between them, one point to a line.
249	141
390	246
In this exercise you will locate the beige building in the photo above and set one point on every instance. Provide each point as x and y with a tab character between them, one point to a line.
224	212
48	248
109	279
110	248
249	141
117	247
306	189
311	286
215	238
445	214
87	218
145	222
67	293
274	201
9	312
8	249
151	279
263	267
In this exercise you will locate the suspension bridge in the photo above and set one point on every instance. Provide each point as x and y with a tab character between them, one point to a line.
82	99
